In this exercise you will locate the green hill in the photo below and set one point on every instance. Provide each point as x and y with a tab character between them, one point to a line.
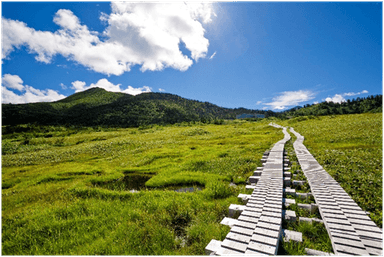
97	106
90	97
372	104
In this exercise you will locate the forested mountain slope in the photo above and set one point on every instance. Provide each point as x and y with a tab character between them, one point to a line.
97	106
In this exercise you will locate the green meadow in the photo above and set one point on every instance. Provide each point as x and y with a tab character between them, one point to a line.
68	190
86	191
349	147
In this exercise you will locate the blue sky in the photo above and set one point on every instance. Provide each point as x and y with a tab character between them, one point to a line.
257	55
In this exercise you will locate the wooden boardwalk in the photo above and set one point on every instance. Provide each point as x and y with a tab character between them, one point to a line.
257	229
350	229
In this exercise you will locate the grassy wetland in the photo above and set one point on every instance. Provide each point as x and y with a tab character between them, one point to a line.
86	191
67	191
349	147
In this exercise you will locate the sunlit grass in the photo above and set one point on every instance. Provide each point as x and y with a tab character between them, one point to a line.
54	198
349	147
53	201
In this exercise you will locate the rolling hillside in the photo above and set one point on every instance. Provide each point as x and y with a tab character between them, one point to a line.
97	106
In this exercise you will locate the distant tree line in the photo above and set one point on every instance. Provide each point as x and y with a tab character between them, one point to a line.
98	107
358	105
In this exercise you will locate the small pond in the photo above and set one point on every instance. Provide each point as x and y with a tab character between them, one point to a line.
135	182
184	189
130	182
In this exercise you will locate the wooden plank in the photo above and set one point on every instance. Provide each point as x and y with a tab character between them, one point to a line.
331	211
245	224
373	243
241	230
334	216
248	219
356	215
374	251
367	234
234	245
249	213
264	239
274	203
262	248
337	221
345	235
372	229
340	227
273	206
343	249
348	242
269	226
238	237
255	206
253	252
267	232
272	220
273	214
226	251
366	222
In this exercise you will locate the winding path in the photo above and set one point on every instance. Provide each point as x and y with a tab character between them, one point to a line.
258	228
349	227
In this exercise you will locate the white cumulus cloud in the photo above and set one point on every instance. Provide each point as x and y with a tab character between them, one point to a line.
79	86
13	81
29	94
146	34
336	99
290	98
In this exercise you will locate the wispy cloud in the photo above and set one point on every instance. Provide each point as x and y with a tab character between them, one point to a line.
259	102
146	34
161	90
339	98
79	86
290	98
63	86
213	55
358	93
13	83
62	66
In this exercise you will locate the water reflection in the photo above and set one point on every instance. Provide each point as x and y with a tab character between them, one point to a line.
187	189
135	182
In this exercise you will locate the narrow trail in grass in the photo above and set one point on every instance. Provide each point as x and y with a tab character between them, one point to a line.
315	216
257	229
349	227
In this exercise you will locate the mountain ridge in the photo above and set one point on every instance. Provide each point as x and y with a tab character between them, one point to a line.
99	107
96	106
